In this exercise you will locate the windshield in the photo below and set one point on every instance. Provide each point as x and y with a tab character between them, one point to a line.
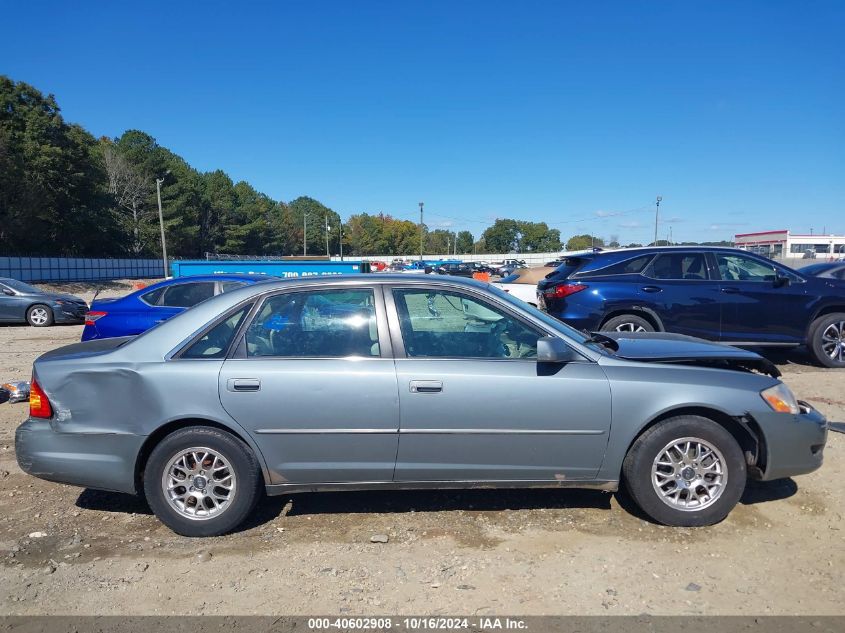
20	286
560	326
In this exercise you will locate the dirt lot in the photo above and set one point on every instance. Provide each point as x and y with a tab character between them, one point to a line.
65	550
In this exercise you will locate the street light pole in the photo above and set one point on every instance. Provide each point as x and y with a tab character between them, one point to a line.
340	241
327	235
304	232
161	224
656	217
421	231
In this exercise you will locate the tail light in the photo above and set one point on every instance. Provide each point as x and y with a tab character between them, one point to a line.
39	405
92	317
563	290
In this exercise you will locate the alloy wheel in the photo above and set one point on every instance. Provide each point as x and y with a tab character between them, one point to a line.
630	327
199	483
689	474
39	316
833	341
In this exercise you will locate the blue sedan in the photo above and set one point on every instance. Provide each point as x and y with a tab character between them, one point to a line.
145	308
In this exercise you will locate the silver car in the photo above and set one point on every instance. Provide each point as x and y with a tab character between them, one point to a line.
390	381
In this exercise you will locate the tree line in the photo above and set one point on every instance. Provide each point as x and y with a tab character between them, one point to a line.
64	192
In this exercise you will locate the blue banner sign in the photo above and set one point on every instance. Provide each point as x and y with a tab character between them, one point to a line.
293	268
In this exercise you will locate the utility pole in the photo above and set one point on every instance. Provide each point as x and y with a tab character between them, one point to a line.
327	236
421	231
304	232
656	217
161	224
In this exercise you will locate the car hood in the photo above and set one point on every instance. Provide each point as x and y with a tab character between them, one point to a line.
663	347
57	295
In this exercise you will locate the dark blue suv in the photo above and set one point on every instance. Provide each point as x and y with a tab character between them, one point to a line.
721	294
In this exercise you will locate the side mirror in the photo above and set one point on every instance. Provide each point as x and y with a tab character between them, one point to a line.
8	292
551	349
781	281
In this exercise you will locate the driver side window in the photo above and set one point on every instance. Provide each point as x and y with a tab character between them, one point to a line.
445	324
741	268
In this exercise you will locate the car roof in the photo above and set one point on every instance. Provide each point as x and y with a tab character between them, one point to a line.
218	277
372	278
663	249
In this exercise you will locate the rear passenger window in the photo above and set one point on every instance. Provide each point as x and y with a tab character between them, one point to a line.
153	296
215	342
628	267
689	266
187	295
327	323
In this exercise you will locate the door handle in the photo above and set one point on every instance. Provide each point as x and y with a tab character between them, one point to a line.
243	384
730	291
652	289
426	386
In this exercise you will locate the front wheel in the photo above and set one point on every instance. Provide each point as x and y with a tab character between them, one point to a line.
686	471
827	340
39	316
201	481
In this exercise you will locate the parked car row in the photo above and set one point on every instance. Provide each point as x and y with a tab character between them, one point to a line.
718	294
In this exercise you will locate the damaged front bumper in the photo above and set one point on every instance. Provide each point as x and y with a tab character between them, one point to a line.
105	461
794	444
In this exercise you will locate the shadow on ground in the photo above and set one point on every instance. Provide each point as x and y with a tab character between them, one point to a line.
764	491
376	502
104	501
407	501
790	356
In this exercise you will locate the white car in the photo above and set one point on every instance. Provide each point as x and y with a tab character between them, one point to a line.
522	283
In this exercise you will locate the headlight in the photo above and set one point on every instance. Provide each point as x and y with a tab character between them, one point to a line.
780	399
60	302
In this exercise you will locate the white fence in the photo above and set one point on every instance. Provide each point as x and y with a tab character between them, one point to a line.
531	259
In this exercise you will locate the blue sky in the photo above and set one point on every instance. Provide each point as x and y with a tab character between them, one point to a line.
573	113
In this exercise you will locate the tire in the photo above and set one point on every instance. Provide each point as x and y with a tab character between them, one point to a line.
827	340
643	476
39	315
627	323
220	510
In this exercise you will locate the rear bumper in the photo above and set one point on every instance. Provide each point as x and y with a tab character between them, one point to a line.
794	443
105	461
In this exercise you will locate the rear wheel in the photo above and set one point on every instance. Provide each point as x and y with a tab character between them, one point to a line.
201	481
827	340
686	471
627	323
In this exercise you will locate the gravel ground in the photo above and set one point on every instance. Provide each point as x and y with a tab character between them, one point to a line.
64	550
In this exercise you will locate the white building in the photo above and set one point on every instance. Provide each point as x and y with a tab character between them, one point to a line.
786	244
